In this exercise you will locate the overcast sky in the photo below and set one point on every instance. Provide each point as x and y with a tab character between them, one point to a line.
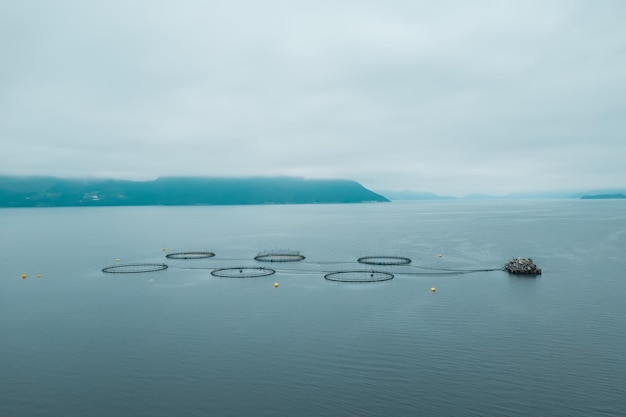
451	97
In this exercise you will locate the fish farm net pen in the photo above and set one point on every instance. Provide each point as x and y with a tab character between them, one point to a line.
190	255
279	255
359	276
133	268
384	260
242	272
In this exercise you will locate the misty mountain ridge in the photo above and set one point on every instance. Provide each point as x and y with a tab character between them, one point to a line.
59	192
413	195
43	191
406	195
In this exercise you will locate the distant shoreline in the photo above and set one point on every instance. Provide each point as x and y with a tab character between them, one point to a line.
179	191
603	197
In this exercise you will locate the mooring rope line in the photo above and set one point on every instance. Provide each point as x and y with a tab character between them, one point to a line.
435	271
455	270
285	270
313	263
309	261
301	271
215	264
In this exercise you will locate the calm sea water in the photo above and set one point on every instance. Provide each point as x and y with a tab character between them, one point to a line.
180	342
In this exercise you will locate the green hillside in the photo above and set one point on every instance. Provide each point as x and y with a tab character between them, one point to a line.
58	192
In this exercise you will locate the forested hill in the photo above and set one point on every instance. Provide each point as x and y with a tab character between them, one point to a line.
58	192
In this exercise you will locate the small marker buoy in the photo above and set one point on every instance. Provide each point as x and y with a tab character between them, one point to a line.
24	276
440	255
117	259
164	249
433	289
38	275
276	285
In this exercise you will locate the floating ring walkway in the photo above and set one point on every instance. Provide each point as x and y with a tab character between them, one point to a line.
133	268
384	260
359	276
242	272
190	255
279	256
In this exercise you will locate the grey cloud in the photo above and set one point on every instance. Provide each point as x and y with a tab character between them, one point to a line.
450	97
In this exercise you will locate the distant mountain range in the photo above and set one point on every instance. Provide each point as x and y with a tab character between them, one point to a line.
603	196
588	195
413	195
59	192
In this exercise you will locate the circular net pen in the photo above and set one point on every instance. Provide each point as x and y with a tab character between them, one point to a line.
242	272
359	276
133	268
279	256
384	260
190	255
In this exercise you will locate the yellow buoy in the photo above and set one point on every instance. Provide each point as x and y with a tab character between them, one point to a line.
117	259
24	276
275	284
433	289
38	275
164	249
440	255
